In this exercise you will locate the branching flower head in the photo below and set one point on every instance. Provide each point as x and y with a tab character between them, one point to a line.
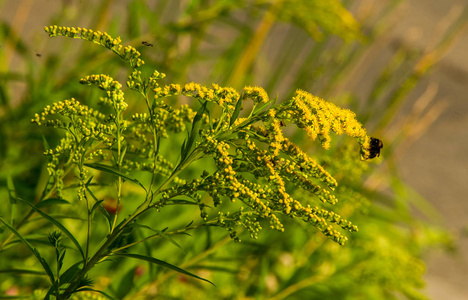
255	164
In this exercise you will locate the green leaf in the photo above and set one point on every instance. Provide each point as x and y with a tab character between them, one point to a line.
96	205
122	154
181	202
88	289
262	107
185	202
158	140
70	273
162	264
51	201
60	261
183	149
23	271
162	233
99	204
217	269
45	143
196	124
109	170
13	196
236	112
59	225
36	253
11	188
122	238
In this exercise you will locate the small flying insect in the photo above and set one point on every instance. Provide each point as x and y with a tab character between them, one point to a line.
147	44
375	146
38	55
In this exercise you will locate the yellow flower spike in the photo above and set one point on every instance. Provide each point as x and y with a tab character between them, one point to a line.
318	117
257	94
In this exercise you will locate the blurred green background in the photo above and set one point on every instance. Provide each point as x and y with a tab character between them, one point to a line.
400	65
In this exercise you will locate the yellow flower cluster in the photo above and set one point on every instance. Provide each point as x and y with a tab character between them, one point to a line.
128	53
199	91
308	165
237	187
365	148
164	120
318	118
284	162
66	108
115	96
273	197
276	137
257	94
227	96
224	97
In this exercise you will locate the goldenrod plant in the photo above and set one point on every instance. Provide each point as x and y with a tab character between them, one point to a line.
250	161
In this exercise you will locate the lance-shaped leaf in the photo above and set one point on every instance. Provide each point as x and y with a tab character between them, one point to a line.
108	169
88	289
98	204
59	225
162	264
36	253
70	273
236	112
126	284
23	271
196	124
51	201
162	234
13	197
262	107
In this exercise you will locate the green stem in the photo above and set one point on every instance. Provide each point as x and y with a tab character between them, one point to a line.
119	166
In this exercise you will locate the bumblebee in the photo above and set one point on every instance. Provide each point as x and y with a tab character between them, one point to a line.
375	146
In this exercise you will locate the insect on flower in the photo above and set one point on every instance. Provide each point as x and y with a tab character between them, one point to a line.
147	44
375	146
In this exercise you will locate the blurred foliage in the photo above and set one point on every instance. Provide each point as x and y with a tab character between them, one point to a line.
267	43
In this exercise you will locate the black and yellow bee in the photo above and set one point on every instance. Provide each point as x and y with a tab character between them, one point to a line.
375	146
